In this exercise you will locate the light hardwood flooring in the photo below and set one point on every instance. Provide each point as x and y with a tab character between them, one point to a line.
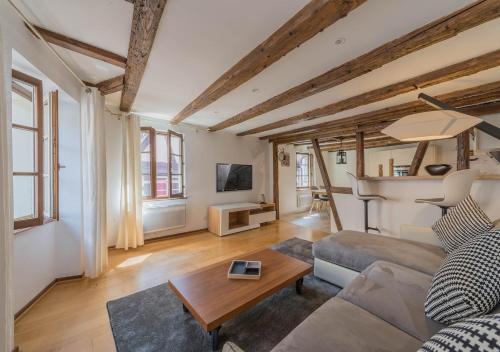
315	220
72	315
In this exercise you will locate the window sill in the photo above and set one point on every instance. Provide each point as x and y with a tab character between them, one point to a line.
45	222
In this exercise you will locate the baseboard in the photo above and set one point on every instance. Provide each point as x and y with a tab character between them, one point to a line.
180	234
43	292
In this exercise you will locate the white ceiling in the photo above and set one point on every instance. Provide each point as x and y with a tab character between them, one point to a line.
198	40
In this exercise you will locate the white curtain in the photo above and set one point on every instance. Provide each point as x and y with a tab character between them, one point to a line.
95	251
6	217
130	232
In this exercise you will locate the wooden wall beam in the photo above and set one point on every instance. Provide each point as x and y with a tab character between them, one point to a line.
468	100
360	154
464	68
463	151
305	24
439	30
417	158
326	181
145	22
276	181
82	48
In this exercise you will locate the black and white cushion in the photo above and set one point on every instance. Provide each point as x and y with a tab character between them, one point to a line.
462	223
477	334
468	282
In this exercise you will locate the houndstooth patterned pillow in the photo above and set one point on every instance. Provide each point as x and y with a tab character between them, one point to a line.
468	282
462	223
477	334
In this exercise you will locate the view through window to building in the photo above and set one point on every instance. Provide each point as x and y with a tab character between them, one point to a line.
162	164
303	170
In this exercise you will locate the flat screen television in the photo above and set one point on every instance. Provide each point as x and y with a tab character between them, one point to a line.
234	177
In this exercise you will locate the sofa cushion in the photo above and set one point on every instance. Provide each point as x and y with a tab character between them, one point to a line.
476	334
468	283
341	326
463	222
395	294
357	250
231	347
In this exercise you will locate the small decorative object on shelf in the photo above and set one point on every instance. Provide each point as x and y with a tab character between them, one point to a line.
262	199
437	169
244	269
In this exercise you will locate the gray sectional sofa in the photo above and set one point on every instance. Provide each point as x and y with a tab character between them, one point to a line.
381	307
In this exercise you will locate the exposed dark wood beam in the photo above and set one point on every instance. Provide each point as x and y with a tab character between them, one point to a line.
326	182
276	181
376	143
466	100
360	154
417	158
81	47
145	22
432	33
463	150
305	24
464	68
111	85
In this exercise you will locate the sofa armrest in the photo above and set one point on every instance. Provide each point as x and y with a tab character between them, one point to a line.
419	234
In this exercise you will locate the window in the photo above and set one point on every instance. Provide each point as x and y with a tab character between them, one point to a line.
34	152
303	170
162	164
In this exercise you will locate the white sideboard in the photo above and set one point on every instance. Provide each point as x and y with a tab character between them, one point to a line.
225	219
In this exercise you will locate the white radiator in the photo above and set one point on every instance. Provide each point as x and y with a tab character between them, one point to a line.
163	215
304	199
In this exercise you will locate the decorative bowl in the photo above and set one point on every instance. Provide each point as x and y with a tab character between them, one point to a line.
438	169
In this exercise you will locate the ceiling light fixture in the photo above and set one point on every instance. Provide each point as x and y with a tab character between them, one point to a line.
340	41
447	122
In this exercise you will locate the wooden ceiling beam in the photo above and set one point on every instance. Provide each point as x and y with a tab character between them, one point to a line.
464	68
145	22
466	99
437	31
305	24
383	142
81	47
111	85
21	91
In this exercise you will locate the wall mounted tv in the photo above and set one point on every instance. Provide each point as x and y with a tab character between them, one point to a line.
234	177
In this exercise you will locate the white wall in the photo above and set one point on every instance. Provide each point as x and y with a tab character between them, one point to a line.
45	252
202	151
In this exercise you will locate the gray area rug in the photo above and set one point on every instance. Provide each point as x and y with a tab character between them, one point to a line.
153	319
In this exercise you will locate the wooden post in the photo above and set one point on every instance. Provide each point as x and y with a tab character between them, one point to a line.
391	167
417	158
380	170
326	182
463	150
360	154
276	185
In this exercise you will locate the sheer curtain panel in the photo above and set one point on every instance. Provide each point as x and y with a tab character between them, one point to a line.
130	232
95	251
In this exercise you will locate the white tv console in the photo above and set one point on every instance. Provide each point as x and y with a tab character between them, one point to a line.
225	219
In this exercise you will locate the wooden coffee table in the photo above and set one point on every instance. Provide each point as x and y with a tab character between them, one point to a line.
213	299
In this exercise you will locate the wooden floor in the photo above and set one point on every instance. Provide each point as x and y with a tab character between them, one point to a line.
315	220
72	315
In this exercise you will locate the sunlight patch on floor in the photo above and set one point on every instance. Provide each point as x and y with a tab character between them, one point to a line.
134	260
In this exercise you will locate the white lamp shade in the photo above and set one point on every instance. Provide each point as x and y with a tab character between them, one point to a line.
426	126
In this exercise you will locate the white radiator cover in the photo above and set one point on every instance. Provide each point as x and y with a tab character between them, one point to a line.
304	199
163	215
